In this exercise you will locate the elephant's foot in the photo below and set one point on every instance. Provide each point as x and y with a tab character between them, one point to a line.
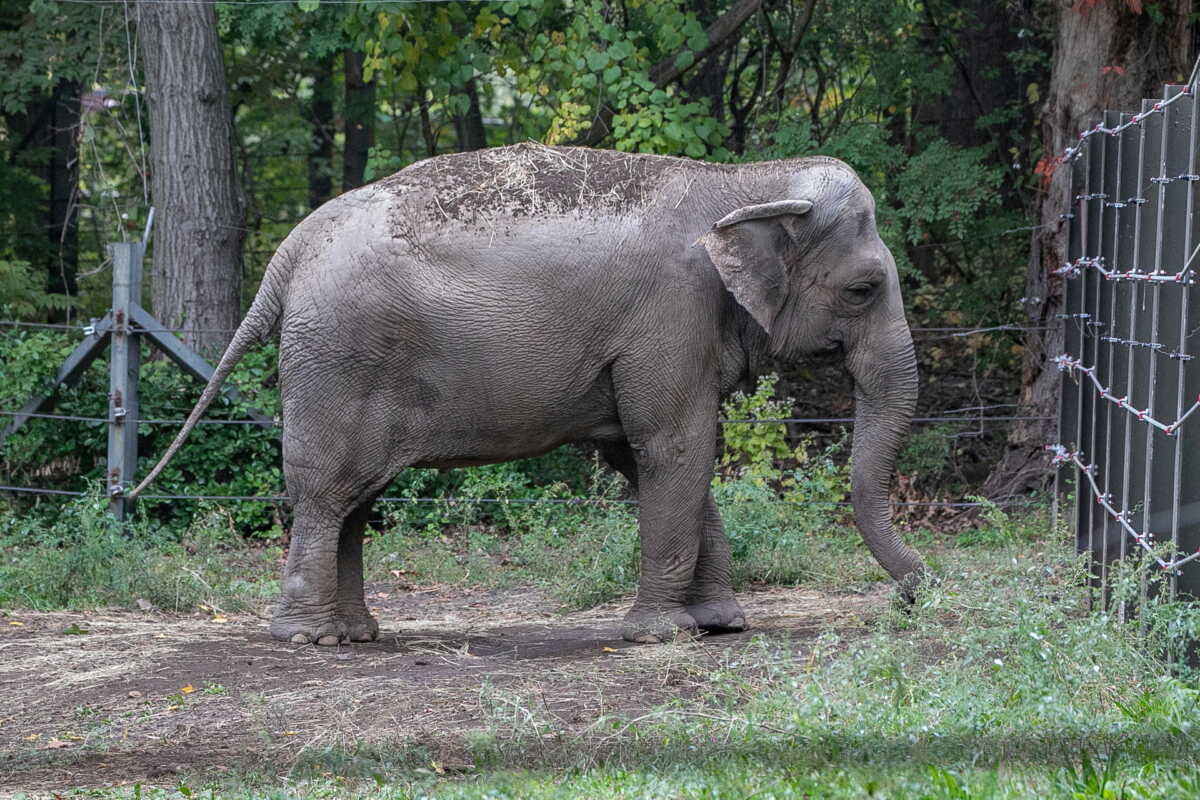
652	626
723	615
358	625
325	631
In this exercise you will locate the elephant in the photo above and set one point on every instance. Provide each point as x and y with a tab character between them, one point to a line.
486	306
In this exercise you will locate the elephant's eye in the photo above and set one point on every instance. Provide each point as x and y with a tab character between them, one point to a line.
860	292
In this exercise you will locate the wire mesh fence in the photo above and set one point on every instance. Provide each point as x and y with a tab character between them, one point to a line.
1129	439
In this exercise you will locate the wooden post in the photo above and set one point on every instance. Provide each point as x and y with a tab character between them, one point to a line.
123	373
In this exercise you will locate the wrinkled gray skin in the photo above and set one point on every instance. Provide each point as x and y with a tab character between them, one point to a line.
490	306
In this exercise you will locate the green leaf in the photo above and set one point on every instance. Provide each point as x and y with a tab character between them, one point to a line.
597	60
612	74
308	5
621	50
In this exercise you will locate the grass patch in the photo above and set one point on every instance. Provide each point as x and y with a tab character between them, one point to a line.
998	684
84	559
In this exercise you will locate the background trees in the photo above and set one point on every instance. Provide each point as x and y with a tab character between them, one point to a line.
952	112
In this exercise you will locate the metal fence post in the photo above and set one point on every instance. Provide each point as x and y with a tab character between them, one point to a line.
123	374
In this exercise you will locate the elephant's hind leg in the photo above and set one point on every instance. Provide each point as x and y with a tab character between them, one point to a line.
307	610
352	615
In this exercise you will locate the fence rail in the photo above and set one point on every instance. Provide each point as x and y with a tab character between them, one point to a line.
1129	438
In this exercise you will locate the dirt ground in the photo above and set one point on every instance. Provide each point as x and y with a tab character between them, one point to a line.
118	696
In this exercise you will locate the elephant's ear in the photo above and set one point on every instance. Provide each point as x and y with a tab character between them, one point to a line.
747	259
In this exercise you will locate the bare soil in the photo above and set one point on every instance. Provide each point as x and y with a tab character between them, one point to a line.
147	696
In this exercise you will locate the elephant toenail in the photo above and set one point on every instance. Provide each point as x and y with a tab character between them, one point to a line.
299	638
328	640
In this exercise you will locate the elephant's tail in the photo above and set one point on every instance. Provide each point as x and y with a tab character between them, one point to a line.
260	320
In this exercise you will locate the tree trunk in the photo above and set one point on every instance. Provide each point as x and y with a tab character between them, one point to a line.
360	121
320	117
468	128
427	132
1106	56
983	78
198	231
47	143
64	189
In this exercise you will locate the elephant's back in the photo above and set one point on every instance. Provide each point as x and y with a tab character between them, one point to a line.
532	181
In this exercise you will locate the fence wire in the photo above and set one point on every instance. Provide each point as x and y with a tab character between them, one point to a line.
517	501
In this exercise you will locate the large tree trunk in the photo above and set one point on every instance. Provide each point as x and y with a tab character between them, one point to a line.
360	121
320	117
1106	55
199	230
47	143
64	189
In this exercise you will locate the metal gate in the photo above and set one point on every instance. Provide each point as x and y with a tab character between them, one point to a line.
1129	428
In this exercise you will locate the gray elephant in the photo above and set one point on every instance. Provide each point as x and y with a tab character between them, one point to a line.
489	306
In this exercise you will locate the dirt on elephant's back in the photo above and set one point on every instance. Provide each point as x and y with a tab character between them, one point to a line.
529	180
126	696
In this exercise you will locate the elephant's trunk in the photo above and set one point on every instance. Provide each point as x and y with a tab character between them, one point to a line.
884	367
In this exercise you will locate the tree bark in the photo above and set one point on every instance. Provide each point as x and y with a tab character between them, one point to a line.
198	232
1106	56
320	118
359	117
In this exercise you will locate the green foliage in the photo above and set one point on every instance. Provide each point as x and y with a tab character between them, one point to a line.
218	459
24	294
81	558
926	454
996	527
755	446
781	505
582	553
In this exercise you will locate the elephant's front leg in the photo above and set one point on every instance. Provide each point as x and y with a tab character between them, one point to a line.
710	598
673	474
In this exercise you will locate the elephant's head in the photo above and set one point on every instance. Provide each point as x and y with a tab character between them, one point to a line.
811	269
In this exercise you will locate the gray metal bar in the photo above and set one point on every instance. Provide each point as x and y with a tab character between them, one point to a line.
1066	477
1123	324
188	359
1106	351
1175	160
1091	212
72	367
1136	467
123	374
1150	255
1183	121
